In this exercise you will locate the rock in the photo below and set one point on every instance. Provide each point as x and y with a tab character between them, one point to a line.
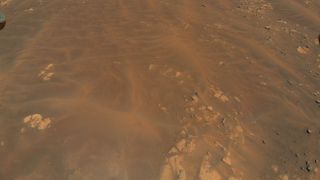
195	97
2	20
46	74
308	131
267	27
308	166
303	50
37	121
290	82
318	101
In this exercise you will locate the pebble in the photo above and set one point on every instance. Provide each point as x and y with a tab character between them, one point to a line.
318	101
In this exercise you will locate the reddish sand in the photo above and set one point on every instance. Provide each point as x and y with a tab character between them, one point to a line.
160	89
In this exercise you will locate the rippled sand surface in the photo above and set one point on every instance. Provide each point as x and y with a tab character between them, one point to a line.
160	89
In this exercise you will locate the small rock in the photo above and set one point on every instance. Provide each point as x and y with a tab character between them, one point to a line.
290	82
2	20
308	166
178	74
308	131
303	50
22	130
195	97
318	101
267	27
210	108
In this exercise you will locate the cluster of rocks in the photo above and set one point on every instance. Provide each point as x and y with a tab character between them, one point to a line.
37	121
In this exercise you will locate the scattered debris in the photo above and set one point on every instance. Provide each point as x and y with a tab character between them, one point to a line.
37	121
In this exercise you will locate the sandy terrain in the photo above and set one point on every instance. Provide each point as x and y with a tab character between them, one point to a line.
160	89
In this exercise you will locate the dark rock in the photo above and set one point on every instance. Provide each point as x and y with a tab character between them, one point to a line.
2	20
308	166
308	131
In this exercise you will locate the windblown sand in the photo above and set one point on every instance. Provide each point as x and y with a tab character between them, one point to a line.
160	89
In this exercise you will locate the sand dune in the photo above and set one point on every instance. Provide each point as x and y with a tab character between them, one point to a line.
169	90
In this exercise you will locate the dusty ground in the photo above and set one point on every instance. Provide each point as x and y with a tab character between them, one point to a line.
160	89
